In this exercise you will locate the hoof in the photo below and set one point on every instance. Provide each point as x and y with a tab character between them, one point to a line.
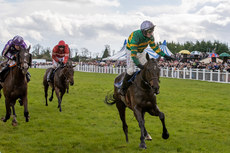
20	102
142	146
14	123
165	135
27	119
3	119
50	99
148	137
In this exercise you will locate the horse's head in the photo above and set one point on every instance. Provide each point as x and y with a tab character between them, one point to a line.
68	72
152	74
24	59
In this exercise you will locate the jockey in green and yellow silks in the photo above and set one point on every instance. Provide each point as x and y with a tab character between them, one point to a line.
137	42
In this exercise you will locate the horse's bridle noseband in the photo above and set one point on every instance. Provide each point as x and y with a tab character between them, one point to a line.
18	63
148	82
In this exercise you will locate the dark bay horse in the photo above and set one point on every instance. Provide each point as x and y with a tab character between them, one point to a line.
140	98
15	85
64	75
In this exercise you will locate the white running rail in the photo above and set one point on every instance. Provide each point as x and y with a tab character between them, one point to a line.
195	74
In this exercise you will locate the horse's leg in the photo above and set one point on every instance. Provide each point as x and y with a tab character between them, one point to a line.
57	91
121	108
67	87
26	112
14	113
14	121
8	110
139	116
165	134
147	136
51	97
46	92
62	94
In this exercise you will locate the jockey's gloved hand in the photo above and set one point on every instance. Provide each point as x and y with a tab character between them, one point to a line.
168	57
60	62
140	66
14	58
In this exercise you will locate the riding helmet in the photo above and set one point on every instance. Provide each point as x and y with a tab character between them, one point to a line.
18	40
147	25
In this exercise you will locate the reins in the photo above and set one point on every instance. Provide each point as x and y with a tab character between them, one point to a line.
147	83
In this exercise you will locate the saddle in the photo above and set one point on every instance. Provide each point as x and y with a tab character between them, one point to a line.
119	84
53	73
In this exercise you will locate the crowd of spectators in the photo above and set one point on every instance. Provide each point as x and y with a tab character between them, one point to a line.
180	62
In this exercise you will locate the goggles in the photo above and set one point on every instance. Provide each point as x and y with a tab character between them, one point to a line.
61	46
150	30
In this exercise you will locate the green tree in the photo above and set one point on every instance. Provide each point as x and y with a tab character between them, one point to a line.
36	50
106	52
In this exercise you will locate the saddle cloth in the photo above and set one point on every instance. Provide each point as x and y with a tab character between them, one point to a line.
119	84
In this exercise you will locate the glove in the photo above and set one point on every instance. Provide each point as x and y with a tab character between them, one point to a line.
168	57
140	66
14	58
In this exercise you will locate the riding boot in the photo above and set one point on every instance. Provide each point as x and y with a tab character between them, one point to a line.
50	75
28	76
125	84
3	72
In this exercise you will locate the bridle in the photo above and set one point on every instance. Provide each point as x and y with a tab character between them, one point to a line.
147	82
64	74
18	62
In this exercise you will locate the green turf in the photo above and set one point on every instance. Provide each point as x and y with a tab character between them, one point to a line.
197	117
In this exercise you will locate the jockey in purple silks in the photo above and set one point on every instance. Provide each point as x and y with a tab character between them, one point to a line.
9	52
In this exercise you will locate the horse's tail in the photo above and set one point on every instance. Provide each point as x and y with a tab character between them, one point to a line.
109	98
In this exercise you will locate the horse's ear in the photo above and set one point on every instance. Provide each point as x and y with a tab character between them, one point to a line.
29	48
30	62
147	56
158	59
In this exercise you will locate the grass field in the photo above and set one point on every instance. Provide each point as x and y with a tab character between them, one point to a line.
197	117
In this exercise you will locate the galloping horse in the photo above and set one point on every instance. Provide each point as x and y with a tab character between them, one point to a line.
15	85
62	78
140	98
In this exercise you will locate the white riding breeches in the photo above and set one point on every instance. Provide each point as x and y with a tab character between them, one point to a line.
131	65
56	64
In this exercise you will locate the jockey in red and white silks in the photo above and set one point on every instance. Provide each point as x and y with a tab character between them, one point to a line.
60	53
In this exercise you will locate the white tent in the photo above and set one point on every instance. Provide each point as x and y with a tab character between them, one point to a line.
163	47
121	55
209	59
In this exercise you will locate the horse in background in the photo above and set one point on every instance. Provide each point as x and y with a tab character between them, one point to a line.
140	98
64	75
15	85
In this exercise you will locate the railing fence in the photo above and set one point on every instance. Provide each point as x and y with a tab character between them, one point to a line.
195	74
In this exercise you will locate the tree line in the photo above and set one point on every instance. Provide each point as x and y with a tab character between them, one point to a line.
202	46
83	54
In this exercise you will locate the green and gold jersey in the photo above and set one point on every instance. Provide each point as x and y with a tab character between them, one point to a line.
137	42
